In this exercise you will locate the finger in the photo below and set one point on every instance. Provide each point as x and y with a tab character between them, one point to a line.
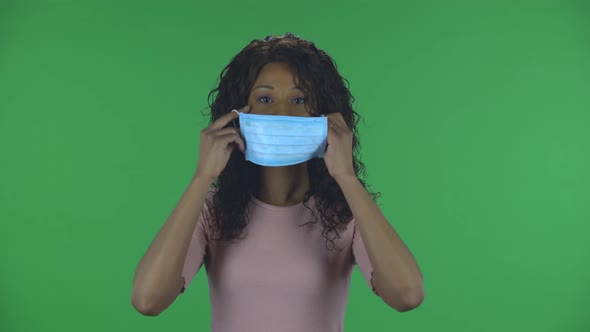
226	118
339	119
331	120
333	127
331	123
233	138
225	131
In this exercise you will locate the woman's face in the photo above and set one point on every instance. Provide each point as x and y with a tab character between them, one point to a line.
275	92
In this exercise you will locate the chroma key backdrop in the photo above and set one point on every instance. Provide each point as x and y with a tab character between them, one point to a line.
475	130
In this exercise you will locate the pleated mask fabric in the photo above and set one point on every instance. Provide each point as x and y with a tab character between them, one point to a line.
281	140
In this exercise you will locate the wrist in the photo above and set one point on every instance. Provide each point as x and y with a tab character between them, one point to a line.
343	179
203	180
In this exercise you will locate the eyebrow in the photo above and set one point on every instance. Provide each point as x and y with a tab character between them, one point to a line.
272	88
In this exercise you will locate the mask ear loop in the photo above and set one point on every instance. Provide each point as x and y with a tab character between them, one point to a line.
234	120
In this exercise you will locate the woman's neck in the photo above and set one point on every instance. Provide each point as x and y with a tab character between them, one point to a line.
283	185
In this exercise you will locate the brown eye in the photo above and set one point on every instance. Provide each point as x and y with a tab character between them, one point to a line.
300	98
263	97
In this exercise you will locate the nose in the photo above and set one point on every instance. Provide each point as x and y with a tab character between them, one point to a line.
284	108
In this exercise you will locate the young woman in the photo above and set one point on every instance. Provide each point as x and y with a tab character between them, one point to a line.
276	209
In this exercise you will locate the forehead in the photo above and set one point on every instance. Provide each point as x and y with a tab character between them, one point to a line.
276	72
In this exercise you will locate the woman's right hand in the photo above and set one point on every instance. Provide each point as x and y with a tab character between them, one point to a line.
217	144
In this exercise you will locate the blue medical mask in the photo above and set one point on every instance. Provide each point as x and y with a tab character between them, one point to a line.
280	140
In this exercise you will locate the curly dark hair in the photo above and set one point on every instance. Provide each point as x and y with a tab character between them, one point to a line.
317	73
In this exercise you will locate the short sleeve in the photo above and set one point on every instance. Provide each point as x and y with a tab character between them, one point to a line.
198	246
361	257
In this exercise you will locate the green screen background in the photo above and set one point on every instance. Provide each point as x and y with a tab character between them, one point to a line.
475	131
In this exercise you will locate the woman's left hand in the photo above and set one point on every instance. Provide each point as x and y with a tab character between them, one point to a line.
338	156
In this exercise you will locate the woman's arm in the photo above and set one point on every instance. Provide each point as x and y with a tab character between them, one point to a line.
397	277
157	281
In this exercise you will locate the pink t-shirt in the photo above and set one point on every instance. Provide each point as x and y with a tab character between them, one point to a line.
280	277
